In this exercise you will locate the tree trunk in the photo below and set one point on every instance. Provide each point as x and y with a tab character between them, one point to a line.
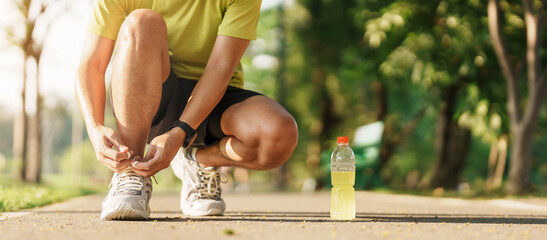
492	161
20	131
33	50
520	163
452	144
496	163
33	168
502	159
380	91
20	141
387	148
451	157
34	158
523	118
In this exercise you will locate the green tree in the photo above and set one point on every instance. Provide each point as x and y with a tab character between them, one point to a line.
322	38
27	144
523	113
441	48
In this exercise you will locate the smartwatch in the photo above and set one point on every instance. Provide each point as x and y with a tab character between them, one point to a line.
190	132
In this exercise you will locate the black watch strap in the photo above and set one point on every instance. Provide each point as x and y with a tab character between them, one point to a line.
190	132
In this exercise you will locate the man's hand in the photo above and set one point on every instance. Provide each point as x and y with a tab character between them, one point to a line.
109	148
161	150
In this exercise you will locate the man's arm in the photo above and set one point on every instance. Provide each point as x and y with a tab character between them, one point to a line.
225	57
91	94
90	85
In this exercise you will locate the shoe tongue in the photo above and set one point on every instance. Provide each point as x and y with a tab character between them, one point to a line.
129	176
129	185
128	172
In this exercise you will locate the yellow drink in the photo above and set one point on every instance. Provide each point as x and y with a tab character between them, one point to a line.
342	203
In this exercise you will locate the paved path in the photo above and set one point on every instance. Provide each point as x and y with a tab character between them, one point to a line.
292	216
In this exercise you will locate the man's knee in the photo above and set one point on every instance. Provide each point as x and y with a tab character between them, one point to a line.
142	25
278	141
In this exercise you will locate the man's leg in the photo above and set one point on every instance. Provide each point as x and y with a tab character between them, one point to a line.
140	67
261	134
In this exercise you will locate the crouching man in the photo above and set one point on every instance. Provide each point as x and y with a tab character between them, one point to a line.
177	84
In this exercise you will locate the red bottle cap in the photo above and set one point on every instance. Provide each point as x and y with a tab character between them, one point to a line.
342	140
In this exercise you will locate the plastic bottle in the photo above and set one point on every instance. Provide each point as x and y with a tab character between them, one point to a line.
342	206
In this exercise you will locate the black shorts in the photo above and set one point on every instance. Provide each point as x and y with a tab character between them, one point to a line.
174	95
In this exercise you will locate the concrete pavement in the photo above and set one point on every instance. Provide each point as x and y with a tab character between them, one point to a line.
292	216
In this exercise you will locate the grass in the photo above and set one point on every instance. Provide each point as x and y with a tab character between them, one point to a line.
17	196
55	188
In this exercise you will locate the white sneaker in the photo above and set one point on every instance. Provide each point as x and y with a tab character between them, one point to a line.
200	193
128	197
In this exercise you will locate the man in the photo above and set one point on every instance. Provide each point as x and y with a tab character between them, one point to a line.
176	84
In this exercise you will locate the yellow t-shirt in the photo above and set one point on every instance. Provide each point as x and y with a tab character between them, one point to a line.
192	27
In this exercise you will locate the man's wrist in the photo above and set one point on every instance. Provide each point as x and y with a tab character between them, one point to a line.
187	129
93	123
92	127
179	135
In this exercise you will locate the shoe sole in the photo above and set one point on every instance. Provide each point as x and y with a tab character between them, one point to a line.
124	211
210	212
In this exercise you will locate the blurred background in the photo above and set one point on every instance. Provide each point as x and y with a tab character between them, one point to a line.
443	98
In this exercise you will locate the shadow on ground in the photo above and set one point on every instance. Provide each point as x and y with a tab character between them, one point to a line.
320	217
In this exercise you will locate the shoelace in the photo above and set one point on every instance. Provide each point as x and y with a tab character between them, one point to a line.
210	180
127	181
